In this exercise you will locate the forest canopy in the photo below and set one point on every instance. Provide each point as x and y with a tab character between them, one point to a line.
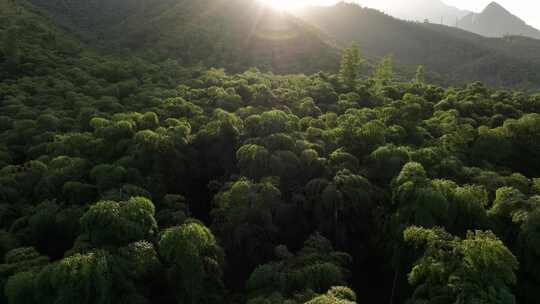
130	180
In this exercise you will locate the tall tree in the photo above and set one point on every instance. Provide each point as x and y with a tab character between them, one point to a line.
351	62
384	72
419	76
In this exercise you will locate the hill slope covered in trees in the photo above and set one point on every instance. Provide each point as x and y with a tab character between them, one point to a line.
235	34
456	54
129	181
243	33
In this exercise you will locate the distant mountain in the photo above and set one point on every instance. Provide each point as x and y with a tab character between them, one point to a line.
496	21
235	34
458	55
436	11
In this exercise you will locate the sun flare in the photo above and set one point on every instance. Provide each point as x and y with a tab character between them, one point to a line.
285	5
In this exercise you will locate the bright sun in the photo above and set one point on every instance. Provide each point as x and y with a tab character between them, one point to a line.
282	4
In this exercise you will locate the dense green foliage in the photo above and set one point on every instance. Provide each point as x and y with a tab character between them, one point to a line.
124	180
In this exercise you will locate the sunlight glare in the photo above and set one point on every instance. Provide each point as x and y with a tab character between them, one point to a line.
286	5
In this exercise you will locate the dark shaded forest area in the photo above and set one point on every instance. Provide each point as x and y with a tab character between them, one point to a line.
125	179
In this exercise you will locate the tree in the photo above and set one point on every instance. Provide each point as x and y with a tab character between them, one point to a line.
341	209
194	261
386	162
107	176
316	267
529	255
419	76
508	211
487	139
253	161
351	62
361	139
466	208
336	295
307	107
173	211
85	279
148	121
61	169
383	73
477	269
18	272
109	223
244	219
340	160
416	201
524	135
48	218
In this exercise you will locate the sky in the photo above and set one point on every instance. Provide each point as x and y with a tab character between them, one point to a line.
528	10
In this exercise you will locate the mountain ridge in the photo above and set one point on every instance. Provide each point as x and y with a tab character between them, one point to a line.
240	34
453	52
496	21
436	11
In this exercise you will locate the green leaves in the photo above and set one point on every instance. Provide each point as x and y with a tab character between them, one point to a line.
383	73
477	269
20	288
386	162
336	295
83	279
191	237
194	260
21	260
110	223
419	201
253	160
78	279
351	62
245	219
316	267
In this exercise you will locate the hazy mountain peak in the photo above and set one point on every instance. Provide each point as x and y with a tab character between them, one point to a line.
496	21
435	11
495	8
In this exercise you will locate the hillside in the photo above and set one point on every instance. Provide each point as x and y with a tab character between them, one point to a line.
496	21
240	34
234	34
93	18
32	44
458	55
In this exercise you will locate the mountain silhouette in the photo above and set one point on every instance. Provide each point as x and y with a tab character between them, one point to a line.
436	11
496	21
